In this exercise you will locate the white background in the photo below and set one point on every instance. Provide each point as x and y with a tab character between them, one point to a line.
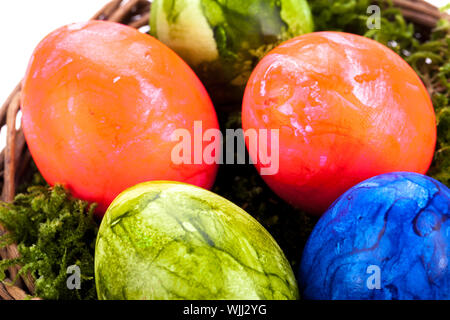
26	22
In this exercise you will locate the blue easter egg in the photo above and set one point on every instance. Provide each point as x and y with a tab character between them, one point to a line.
386	238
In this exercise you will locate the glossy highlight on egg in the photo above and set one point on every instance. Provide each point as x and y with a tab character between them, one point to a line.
387	238
100	102
347	108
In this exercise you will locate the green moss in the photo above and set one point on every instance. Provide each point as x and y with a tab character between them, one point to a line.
298	24
53	231
340	15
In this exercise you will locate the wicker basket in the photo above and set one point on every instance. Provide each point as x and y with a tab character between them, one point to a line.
15	157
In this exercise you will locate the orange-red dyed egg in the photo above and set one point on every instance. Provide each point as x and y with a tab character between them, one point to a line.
100	103
347	108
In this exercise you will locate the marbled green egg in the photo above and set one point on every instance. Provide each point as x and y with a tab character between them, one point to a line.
223	40
167	240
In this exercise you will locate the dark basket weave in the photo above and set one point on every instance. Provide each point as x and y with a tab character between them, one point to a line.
15	157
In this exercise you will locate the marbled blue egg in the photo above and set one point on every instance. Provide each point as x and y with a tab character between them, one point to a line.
386	238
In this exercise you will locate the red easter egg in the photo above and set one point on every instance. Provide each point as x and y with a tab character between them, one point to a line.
100	103
347	108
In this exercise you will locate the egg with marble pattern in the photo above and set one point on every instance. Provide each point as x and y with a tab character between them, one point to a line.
346	108
386	238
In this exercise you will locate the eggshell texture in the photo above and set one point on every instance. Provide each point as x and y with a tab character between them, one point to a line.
386	238
100	103
347	107
162	240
